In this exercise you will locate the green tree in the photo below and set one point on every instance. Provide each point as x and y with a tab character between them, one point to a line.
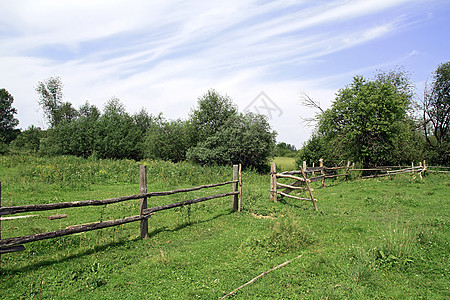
7	120
167	140
77	137
283	149
118	136
314	149
243	139
212	112
364	121
436	114
29	140
51	99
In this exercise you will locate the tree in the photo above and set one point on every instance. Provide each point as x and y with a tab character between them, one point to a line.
118	136
436	113
7	120
314	149
212	112
364	121
51	100
167	140
286	150
243	139
29	140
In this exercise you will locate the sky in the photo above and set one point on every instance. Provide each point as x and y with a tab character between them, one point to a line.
163	55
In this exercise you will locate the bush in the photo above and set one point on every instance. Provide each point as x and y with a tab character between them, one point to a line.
244	139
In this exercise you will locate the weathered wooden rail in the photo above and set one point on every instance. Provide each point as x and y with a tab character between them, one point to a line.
15	244
381	171
301	183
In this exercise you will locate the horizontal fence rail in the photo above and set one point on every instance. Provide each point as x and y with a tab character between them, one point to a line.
300	183
14	244
9	210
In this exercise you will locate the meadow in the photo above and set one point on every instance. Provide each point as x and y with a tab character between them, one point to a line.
375	238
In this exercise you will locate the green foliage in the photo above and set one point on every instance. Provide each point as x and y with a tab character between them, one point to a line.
51	99
283	149
212	113
167	140
288	235
7	120
244	139
436	115
28	140
314	149
113	134
366	119
118	136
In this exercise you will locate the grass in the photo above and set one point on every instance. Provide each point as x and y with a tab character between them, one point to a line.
285	163
370	239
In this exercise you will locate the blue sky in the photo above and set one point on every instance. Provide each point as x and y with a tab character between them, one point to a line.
164	55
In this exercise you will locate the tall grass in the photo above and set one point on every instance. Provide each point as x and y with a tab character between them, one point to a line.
376	238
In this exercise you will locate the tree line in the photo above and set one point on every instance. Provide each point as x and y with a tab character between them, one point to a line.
214	133
380	121
373	121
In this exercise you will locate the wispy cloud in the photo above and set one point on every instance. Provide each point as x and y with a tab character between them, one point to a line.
165	54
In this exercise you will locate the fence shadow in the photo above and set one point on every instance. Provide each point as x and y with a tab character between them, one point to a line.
106	246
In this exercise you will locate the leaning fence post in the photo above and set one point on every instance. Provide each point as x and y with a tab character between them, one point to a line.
143	201
273	182
235	197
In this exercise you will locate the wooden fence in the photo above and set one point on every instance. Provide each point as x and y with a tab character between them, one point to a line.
300	183
380	171
322	172
15	244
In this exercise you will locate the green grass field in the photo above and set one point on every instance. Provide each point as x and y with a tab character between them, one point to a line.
375	238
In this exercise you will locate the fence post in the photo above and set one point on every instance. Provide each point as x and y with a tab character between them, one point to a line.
273	182
143	201
235	198
0	219
240	187
322	171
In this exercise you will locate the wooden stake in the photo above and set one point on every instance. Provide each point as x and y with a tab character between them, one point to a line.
322	171
143	201
240	186
273	182
309	190
235	197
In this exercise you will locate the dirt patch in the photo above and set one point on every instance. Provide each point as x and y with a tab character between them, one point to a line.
263	217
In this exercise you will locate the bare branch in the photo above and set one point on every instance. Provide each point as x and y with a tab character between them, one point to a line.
307	101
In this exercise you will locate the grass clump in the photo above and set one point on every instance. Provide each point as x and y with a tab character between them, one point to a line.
288	235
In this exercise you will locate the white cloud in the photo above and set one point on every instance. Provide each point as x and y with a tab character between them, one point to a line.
163	55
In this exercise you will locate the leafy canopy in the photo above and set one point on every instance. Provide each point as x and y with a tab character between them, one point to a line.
436	114
366	120
7	120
